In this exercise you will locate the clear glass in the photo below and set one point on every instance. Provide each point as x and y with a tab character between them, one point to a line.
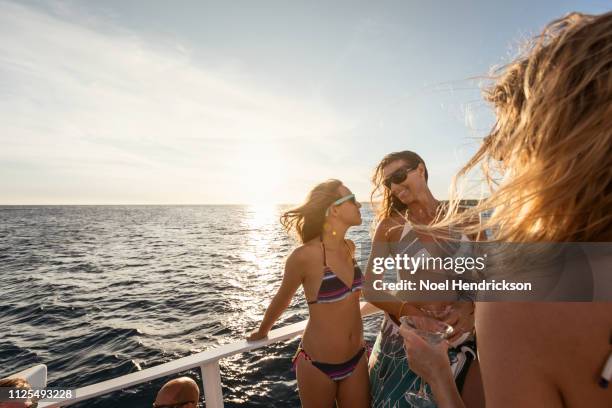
438	311
433	331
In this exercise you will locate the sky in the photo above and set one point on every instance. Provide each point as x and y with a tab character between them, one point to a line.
201	102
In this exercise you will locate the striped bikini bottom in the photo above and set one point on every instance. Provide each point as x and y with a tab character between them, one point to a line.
335	371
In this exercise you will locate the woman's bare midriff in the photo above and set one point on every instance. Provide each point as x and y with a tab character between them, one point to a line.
334	332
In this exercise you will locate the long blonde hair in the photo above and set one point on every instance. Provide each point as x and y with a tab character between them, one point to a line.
308	219
552	140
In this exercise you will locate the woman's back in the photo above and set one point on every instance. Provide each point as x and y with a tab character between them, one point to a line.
552	141
544	354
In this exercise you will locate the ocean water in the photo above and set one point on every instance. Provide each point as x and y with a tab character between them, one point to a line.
95	292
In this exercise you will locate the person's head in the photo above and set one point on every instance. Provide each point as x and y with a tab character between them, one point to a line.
16	382
180	392
329	204
399	179
552	140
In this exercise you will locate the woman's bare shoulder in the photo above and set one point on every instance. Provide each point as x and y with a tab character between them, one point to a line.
303	250
547	315
550	350
387	229
304	255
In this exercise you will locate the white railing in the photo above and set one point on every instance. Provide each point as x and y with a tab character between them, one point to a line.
207	361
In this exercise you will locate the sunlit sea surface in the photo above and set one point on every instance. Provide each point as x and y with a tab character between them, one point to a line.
96	292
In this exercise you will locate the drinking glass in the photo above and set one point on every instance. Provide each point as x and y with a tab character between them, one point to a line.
432	331
439	311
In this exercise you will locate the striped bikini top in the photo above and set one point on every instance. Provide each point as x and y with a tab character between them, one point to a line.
332	288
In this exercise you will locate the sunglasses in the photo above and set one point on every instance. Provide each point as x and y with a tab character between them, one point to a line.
350	197
398	176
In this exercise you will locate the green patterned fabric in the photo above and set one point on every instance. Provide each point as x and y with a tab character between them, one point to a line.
390	374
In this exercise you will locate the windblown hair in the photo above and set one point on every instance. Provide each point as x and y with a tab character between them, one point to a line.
308	220
389	204
552	140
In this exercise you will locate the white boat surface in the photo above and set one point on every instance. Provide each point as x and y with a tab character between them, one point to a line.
36	376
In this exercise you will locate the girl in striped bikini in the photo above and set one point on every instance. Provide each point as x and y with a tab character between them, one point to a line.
330	363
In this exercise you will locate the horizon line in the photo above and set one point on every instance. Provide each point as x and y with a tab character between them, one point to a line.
177	204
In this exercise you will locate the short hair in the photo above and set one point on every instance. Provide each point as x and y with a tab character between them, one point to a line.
178	390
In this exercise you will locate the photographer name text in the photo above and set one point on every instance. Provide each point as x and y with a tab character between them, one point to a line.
427	285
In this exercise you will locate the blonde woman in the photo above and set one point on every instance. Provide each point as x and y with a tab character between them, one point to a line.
331	361
553	142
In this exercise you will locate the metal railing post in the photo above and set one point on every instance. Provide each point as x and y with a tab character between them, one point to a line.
211	378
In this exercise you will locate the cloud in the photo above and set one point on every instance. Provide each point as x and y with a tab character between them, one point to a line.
105	114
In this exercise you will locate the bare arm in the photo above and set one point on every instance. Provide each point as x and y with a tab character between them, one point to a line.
431	363
367	309
292	279
382	299
445	391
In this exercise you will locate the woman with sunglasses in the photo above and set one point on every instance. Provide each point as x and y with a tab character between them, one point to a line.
331	361
401	178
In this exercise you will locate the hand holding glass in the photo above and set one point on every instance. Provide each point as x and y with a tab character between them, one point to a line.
433	331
